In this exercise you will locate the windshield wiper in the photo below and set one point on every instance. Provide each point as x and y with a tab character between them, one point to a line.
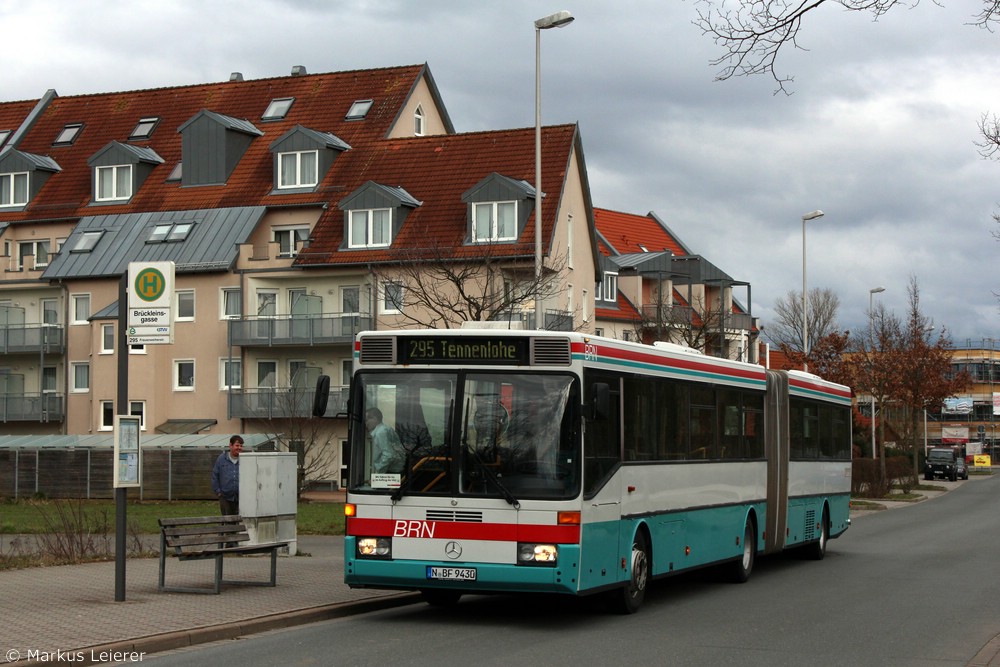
492	476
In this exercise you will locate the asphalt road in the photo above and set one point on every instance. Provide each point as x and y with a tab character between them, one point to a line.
908	587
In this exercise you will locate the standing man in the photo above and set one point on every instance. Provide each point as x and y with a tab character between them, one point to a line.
226	477
386	448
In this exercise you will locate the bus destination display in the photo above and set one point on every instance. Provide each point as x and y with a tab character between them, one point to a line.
462	350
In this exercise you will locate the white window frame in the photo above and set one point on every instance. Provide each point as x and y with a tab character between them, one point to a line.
75	301
494	225
35	244
297	180
610	287
140	412
296	238
224	302
177	374
75	387
224	363
184	293
386	304
103	425
369	225
105	329
419	121
9	189
117	183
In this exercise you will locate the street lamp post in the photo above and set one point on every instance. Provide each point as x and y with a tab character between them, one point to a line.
871	342
805	295
557	20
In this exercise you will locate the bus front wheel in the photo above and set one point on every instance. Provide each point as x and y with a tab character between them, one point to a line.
743	565
817	550
630	597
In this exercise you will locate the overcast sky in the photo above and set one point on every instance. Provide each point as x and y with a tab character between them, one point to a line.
879	132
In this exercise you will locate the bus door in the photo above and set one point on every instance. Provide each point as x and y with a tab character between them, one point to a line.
777	451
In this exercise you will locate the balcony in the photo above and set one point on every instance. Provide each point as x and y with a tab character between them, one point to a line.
555	320
282	402
294	330
30	338
667	315
32	407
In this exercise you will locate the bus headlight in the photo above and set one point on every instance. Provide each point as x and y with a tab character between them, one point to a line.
529	553
375	547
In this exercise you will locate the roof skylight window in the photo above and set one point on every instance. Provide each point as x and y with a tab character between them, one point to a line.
87	241
170	232
359	109
144	128
68	134
278	108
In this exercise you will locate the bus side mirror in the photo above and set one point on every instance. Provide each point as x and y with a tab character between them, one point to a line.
600	396
322	395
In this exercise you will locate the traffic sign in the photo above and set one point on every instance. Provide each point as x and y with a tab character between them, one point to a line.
150	303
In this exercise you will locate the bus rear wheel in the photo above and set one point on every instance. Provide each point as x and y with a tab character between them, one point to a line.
630	597
743	565
817	550
440	597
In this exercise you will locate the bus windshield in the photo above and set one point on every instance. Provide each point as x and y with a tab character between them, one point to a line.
503	435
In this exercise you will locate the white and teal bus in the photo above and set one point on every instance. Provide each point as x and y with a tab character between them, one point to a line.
536	461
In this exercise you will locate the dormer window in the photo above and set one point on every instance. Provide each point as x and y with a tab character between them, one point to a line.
607	290
114	183
278	108
370	228
418	121
144	128
298	170
14	189
494	221
87	241
359	109
68	135
290	240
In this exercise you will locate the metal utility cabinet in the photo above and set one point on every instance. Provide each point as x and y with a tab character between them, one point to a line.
269	496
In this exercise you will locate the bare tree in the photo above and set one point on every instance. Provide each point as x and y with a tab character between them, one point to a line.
433	288
786	329
753	32
697	326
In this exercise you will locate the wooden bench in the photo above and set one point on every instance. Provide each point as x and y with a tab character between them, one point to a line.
201	538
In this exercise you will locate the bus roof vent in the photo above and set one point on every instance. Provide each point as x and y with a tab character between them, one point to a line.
378	350
550	352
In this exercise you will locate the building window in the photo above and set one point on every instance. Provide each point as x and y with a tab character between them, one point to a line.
107	415
278	108
230	374
184	375
38	251
359	110
144	128
170	232
50	311
68	134
418	121
298	170
86	241
107	339
392	297
114	183
232	305
185	305
14	189
81	308
267	373
370	228
50	376
138	409
81	377
290	240
494	221
610	287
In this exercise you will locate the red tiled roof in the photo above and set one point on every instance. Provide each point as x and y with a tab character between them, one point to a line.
437	171
626	231
321	102
12	114
626	311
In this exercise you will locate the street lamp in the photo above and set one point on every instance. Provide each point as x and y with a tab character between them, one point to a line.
871	341
805	295
557	20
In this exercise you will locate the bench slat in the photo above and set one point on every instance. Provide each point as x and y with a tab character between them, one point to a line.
188	521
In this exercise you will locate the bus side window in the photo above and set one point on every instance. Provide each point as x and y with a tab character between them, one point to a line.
602	443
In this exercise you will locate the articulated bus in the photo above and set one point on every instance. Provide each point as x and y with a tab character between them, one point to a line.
534	461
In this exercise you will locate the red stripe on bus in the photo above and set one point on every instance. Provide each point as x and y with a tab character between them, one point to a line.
498	532
674	362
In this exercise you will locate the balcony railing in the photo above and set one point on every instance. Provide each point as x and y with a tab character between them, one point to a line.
555	320
25	338
297	330
668	315
32	407
281	402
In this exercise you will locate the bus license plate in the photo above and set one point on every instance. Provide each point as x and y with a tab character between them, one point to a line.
452	573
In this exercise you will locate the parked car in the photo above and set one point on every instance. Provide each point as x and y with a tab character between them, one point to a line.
961	468
944	462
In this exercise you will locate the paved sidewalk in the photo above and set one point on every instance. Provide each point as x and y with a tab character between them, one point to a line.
71	608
